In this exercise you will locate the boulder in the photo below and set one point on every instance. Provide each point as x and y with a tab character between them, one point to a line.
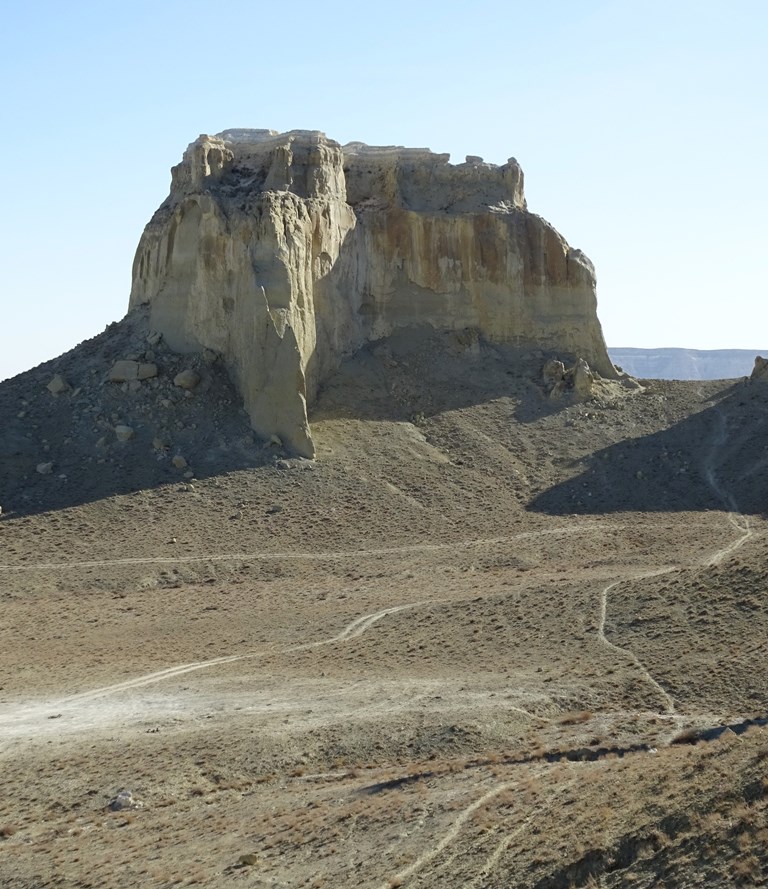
146	371
122	371
187	379
127	370
553	372
583	379
575	382
760	371
58	385
123	433
45	468
124	800
559	390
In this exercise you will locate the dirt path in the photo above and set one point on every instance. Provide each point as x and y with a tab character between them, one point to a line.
740	522
463	816
27	715
493	859
669	704
455	829
361	624
26	718
310	556
735	518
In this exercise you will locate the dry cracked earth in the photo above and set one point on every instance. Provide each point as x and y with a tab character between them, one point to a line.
484	640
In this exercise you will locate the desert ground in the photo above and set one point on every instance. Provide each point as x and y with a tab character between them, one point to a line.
485	639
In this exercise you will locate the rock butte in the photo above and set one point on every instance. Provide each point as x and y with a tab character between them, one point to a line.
285	252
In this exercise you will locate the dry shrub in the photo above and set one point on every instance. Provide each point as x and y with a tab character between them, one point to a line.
687	736
575	717
747	867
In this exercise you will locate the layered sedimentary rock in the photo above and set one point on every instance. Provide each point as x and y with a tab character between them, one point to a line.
684	364
286	252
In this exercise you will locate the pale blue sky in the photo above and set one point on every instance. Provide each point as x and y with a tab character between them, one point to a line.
641	128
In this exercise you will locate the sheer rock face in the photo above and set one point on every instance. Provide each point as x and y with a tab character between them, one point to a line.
286	252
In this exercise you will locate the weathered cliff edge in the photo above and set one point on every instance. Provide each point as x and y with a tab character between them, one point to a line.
286	252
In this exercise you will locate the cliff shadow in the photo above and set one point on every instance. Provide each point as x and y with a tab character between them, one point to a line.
96	438
715	459
419	372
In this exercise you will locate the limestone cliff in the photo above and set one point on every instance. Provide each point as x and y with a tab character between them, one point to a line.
286	252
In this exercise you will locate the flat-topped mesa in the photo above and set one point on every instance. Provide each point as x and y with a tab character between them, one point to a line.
285	252
303	162
417	179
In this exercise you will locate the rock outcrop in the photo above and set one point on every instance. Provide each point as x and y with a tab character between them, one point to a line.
760	370
282	253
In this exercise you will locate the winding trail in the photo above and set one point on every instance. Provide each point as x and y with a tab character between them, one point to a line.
669	704
29	715
358	626
351	631
743	526
363	623
449	837
740	522
493	859
455	829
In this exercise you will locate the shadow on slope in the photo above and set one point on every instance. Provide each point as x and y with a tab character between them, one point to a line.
72	437
62	450
479	404
419	372
714	459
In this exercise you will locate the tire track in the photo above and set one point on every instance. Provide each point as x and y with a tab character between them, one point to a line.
449	837
358	626
352	630
308	556
493	859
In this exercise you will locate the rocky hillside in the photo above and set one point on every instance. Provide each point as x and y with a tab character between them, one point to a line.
458	649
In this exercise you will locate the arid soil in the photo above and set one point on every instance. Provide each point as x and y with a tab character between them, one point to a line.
469	646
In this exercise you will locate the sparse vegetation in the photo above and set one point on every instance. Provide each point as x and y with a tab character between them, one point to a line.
343	758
